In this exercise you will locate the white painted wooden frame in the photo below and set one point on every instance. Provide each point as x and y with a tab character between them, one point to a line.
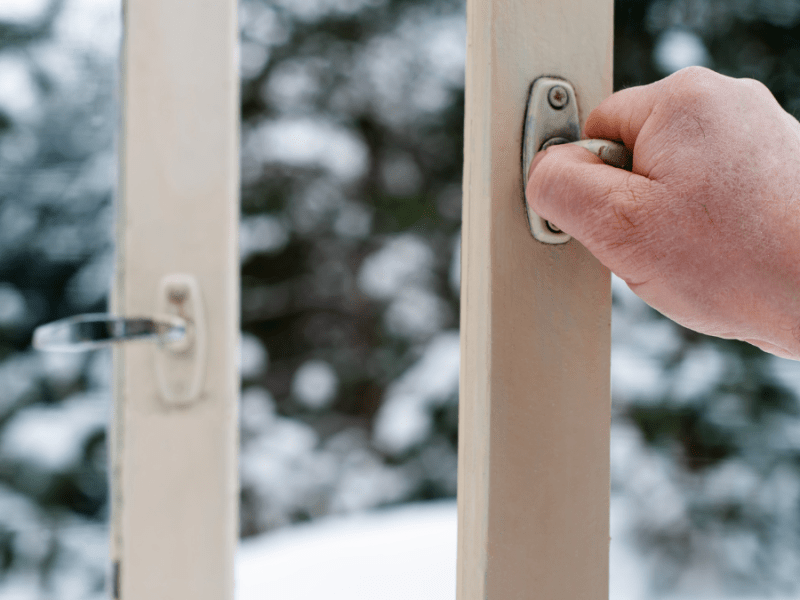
533	471
174	480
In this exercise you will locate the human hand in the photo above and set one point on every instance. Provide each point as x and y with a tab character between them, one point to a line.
706	229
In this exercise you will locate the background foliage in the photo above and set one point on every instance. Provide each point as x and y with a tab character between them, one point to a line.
352	117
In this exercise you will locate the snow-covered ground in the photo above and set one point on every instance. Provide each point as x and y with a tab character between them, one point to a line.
398	554
405	553
394	554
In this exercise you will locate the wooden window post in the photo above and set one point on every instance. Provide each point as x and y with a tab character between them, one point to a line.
533	470
174	439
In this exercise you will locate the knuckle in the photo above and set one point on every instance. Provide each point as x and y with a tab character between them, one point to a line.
755	85
694	75
693	86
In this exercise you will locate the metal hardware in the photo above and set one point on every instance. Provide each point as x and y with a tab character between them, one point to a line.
557	97
179	330
90	331
552	118
553	142
180	369
613	154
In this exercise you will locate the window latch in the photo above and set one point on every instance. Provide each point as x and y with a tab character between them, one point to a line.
552	118
178	328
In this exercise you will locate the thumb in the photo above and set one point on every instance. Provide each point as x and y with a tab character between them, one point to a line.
605	208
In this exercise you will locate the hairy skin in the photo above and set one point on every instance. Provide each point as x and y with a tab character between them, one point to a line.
706	229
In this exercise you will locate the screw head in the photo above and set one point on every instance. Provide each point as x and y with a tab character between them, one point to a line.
558	97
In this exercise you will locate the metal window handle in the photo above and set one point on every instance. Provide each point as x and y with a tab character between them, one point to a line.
179	327
89	331
552	118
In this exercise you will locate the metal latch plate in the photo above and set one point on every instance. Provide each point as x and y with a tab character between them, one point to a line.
551	116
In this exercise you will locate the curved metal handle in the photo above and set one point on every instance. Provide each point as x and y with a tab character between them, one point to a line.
611	153
86	332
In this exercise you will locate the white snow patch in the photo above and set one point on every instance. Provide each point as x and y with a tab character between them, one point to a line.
94	25
253	357
787	372
294	83
13	308
634	374
283	470
308	142
415	313
677	48
18	374
62	367
19	95
53	436
627	577
363	481
92	283
315	384
257	410
99	369
414	68
701	369
395	554
314	9
398	554
404	260
21	11
404	418
261	233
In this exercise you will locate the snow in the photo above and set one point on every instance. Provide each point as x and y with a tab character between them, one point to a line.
787	372
396	554
403	553
94	25
405	417
53	436
261	233
677	48
18	376
315	384
20	11
91	283
253	356
413	69
18	93
314	9
404	261
416	313
13	308
304	142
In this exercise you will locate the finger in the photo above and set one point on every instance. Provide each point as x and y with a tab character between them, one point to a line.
622	115
607	209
